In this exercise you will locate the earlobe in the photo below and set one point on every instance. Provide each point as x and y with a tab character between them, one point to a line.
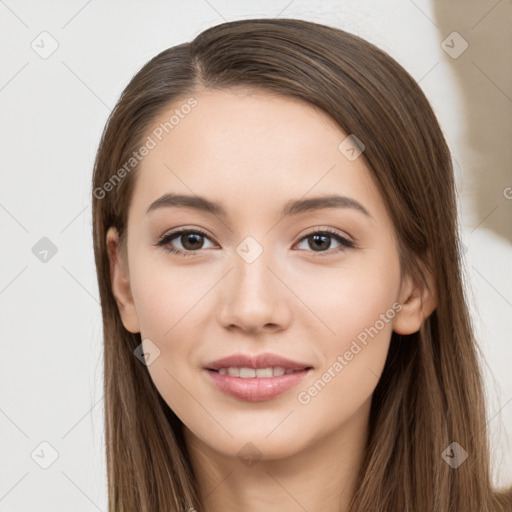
121	283
418	300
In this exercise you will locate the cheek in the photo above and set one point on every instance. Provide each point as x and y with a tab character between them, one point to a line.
353	358
168	317
355	306
167	299
347	299
170	307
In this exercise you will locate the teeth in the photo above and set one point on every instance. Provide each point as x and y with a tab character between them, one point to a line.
278	371
264	372
251	373
247	373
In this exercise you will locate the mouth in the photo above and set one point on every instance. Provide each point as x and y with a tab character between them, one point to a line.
257	373
255	366
255	378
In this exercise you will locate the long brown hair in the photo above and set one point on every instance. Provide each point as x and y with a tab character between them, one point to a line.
430	394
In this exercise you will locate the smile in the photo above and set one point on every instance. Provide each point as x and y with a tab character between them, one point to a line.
258	373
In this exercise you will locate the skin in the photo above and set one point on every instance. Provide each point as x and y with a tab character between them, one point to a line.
253	152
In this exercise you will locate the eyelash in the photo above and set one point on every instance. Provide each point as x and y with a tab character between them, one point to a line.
166	239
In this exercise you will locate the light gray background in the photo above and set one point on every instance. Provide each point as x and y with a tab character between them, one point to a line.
52	112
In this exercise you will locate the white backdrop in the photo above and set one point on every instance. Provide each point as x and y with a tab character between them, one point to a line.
63	66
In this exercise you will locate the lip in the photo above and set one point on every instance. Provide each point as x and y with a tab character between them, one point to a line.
257	361
256	389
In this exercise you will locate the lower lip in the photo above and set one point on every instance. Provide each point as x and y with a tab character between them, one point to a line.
256	389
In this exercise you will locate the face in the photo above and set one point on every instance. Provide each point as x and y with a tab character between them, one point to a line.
320	287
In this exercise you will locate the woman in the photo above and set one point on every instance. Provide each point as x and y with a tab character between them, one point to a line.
275	233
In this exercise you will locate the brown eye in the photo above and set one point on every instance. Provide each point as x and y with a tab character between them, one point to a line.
321	241
190	240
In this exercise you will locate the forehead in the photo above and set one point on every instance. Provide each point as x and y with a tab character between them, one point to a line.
250	149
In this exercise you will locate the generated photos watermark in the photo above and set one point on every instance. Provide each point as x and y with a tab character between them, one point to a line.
152	141
305	397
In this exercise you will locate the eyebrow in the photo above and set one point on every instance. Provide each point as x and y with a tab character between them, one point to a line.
292	207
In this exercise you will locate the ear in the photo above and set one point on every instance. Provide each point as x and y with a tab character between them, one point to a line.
418	300
121	282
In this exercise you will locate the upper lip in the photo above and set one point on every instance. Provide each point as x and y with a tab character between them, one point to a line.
265	360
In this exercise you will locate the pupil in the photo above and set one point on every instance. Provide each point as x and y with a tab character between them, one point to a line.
194	237
324	238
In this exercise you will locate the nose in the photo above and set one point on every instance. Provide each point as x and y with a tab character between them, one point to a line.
253	297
